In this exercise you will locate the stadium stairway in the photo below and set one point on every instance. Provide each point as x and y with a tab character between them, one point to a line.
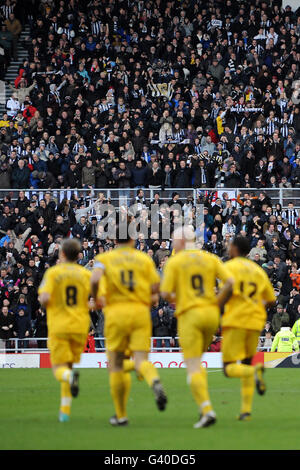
13	68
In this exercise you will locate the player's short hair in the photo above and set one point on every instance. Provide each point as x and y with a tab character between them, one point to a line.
242	244
186	233
71	247
122	235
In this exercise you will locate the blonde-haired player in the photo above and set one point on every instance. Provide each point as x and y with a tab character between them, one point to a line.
131	280
64	292
189	279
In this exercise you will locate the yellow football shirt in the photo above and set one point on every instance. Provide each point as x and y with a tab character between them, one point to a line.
128	276
192	275
69	287
102	289
220	127
251	289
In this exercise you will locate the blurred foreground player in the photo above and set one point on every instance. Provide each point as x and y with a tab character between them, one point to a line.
64	292
189	279
243	320
131	280
128	362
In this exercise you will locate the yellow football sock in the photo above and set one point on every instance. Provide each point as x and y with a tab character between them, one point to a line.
247	392
239	370
118	391
62	374
148	371
128	365
66	398
127	386
199	388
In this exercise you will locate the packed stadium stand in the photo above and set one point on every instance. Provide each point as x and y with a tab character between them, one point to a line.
131	104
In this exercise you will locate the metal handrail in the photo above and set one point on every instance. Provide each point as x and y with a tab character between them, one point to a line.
20	348
281	195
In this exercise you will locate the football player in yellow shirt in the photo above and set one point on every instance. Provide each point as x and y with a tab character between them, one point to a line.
131	280
243	320
189	279
64	292
128	363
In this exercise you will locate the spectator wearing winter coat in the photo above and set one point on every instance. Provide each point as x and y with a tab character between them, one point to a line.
7	321
82	229
22	91
22	328
19	240
40	229
41	151
260	249
208	145
22	305
270	234
20	176
233	179
168	177
33	243
162	252
6	40
201	177
267	329
155	176
60	227
229	227
102	175
29	111
281	316
214	246
122	176
88	175
183	176
45	180
41	330
280	268
161	326
5	176
14	26
216	70
139	175
37	164
215	345
13	106
72	176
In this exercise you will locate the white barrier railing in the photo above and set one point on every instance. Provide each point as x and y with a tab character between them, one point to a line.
277	195
158	344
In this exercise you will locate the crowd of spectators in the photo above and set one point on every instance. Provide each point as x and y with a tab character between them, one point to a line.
153	93
148	94
32	230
